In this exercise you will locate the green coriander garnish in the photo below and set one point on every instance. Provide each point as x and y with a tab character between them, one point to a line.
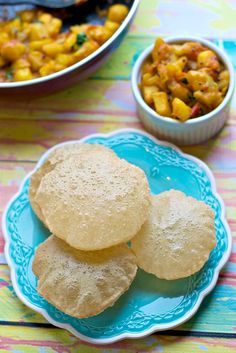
184	80
9	75
81	38
191	97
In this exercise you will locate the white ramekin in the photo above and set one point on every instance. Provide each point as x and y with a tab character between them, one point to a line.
192	131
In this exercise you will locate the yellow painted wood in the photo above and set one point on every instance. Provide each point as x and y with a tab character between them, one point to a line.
38	340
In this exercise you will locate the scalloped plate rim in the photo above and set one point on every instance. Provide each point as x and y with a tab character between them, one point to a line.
154	328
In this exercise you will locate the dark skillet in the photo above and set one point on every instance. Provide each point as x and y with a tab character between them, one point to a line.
86	12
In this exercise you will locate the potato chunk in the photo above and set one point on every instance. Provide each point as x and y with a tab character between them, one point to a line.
224	81
117	13
23	74
161	103
209	59
12	50
180	110
200	80
148	93
179	91
210	99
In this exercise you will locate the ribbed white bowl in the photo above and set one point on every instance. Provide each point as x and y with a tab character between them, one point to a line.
193	131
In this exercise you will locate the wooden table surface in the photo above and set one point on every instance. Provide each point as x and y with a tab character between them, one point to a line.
28	127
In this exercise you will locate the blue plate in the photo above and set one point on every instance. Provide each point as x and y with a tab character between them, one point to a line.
150	304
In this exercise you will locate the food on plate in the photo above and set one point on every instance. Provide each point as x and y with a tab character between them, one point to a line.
90	197
56	156
183	80
33	44
80	283
93	203
177	238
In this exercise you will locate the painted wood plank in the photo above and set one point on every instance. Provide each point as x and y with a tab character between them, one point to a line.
119	66
90	99
45	340
100	101
181	17
28	139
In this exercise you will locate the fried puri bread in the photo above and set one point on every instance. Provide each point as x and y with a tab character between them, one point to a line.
82	283
58	155
177	238
91	199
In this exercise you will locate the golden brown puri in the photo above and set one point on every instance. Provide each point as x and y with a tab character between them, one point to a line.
58	155
177	238
93	199
81	283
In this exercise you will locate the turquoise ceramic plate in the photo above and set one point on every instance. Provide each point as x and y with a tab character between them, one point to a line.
150	304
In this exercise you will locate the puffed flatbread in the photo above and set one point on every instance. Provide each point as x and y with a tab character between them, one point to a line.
58	155
177	238
91	199
80	283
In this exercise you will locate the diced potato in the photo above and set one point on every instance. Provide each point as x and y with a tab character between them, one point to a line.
27	15
99	33
173	70
111	26
38	31
47	68
224	81
36	60
163	73
164	53
211	99
148	67
191	49
199	80
86	49
182	61
208	58
13	27
45	17
117	13
149	80
38	44
64	59
80	28
20	64
53	49
179	91
23	35
12	50
4	37
70	41
147	92
158	43
180	110
161	103
58	67
54	26
177	48
23	74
